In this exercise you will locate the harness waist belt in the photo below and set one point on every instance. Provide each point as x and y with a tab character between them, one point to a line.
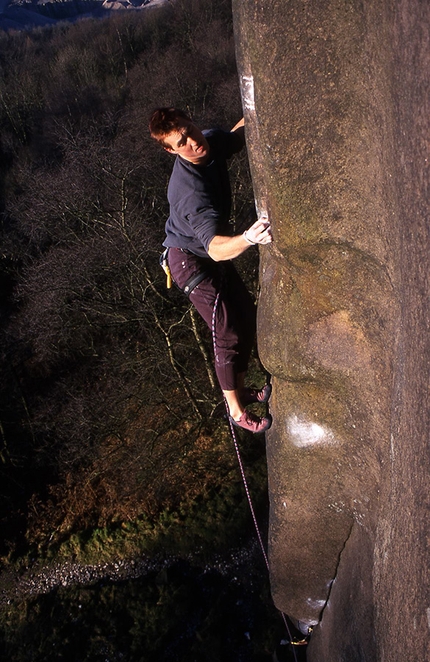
194	281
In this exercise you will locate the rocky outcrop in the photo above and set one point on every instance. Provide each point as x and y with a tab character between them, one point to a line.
336	107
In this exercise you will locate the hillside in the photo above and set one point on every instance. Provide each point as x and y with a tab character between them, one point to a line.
27	14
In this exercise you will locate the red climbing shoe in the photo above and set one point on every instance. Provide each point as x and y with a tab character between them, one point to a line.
252	423
250	395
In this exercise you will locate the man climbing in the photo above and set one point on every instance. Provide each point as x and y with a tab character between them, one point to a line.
200	250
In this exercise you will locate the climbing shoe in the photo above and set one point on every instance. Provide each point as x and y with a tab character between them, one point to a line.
252	423
250	395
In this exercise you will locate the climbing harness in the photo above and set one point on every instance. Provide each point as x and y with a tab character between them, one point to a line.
191	282
304	641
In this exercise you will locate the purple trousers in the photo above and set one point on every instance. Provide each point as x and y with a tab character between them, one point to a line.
235	318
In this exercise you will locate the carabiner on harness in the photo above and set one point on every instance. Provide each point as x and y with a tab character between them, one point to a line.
165	266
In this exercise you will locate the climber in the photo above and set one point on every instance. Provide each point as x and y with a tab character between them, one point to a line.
200	250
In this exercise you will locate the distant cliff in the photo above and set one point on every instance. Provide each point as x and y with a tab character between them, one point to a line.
25	14
335	96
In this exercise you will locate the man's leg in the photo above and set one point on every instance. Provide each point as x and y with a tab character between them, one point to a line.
211	301
233	399
233	331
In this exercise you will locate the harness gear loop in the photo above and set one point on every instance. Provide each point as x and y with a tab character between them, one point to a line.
191	282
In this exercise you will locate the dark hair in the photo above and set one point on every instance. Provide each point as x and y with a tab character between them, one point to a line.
164	121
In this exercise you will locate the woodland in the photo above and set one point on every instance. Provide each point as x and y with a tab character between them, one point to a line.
113	440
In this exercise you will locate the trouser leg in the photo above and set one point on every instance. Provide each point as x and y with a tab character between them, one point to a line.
234	320
233	326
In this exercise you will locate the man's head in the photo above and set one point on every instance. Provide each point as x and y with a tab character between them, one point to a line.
176	132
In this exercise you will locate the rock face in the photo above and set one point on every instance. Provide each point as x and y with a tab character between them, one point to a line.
335	99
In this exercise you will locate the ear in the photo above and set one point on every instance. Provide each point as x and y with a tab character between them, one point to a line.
170	150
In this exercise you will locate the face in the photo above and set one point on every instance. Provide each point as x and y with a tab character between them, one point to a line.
189	142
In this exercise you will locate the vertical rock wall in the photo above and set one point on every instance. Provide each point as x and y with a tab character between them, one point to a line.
335	99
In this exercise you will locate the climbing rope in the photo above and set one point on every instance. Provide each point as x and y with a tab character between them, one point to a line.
245	484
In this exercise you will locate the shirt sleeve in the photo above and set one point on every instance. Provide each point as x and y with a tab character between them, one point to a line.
203	219
227	142
235	144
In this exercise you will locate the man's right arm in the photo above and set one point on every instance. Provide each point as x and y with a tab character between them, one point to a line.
239	131
227	248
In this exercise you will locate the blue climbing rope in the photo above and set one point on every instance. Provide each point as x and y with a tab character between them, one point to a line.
245	482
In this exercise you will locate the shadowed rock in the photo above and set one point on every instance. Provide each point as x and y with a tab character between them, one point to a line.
336	106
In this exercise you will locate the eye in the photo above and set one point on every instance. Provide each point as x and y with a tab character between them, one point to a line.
184	138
